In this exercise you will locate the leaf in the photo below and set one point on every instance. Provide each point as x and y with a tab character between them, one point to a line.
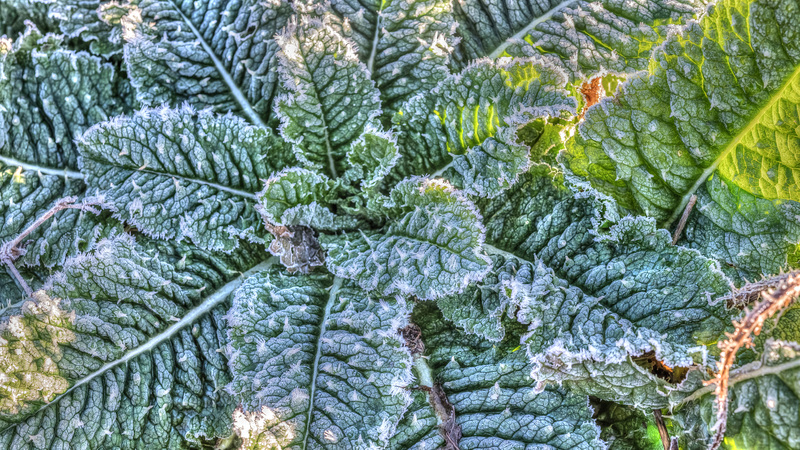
621	261
465	129
763	403
432	249
583	37
406	45
104	24
316	362
714	116
212	55
480	308
625	428
138	352
371	157
492	395
49	97
574	340
298	196
181	174
14	13
330	98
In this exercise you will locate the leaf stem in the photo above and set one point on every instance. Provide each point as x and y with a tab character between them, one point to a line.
684	217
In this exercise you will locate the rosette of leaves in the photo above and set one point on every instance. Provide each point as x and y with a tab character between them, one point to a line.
437	277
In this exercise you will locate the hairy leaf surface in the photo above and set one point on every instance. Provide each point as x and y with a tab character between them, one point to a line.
49	96
621	261
130	344
181	174
433	248
330	98
406	45
715	116
465	129
583	37
316	363
104	24
217	55
301	197
494	399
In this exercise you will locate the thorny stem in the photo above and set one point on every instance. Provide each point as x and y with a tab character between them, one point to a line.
10	251
750	292
684	218
772	302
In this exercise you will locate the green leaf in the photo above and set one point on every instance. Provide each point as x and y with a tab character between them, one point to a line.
621	261
213	55
330	98
371	157
763	403
465	129
625	428
480	308
316	363
492	396
49	97
432	249
574	340
298	196
583	37
136	340
181	174
14	14
406	45
104	24
714	116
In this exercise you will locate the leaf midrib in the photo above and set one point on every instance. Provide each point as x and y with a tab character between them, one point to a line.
744	375
334	290
45	170
230	190
731	147
328	147
523	32
203	308
376	37
247	108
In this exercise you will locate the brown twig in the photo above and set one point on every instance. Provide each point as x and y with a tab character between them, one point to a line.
772	302
684	218
662	428
11	251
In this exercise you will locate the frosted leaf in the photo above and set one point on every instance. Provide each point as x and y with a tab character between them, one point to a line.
201	189
583	37
217	55
333	368
431	249
466	128
132	372
494	401
406	45
320	69
723	105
